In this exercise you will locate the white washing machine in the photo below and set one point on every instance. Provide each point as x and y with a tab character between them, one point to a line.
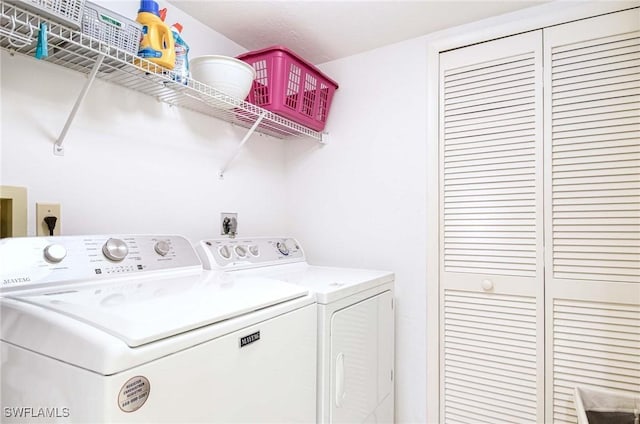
355	323
131	329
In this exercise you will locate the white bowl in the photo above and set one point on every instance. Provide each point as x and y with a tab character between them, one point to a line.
229	75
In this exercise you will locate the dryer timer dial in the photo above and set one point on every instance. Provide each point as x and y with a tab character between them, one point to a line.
291	244
282	248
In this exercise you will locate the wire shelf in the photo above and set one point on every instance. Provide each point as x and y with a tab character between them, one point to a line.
74	50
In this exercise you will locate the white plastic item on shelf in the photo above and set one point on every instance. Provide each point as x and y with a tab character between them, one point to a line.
226	74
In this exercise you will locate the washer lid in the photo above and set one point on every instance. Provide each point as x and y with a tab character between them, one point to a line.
143	311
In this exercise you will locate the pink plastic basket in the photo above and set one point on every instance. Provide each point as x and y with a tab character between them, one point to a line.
288	85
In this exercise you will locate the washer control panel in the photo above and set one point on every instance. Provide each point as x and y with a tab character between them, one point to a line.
239	253
29	262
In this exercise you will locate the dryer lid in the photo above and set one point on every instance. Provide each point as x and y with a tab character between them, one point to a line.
141	311
329	284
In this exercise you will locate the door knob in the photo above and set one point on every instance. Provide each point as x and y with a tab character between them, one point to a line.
487	285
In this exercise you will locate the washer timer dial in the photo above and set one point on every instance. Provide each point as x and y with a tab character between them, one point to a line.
115	249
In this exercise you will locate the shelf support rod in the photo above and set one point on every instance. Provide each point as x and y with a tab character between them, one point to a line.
242	143
58	148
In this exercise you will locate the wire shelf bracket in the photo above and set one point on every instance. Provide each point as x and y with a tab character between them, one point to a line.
241	145
58	148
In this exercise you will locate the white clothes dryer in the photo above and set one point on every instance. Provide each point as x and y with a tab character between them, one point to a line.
131	329
355	323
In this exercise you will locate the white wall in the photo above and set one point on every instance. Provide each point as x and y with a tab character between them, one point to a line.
133	164
360	200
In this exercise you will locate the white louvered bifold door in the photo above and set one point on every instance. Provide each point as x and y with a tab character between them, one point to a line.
592	208
491	290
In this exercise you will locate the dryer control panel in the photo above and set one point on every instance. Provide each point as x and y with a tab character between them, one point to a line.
30	262
241	253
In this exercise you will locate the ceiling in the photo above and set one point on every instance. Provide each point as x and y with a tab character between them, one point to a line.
321	31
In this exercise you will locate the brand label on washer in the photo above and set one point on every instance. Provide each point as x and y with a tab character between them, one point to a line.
246	340
134	394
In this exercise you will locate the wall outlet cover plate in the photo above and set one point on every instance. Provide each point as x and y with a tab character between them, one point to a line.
43	210
228	224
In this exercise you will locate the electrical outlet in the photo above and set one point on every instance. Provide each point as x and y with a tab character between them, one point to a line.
228	224
44	210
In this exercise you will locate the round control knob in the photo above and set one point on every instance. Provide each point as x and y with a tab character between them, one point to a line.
254	250
225	252
162	247
487	285
241	251
55	252
291	244
282	247
115	249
